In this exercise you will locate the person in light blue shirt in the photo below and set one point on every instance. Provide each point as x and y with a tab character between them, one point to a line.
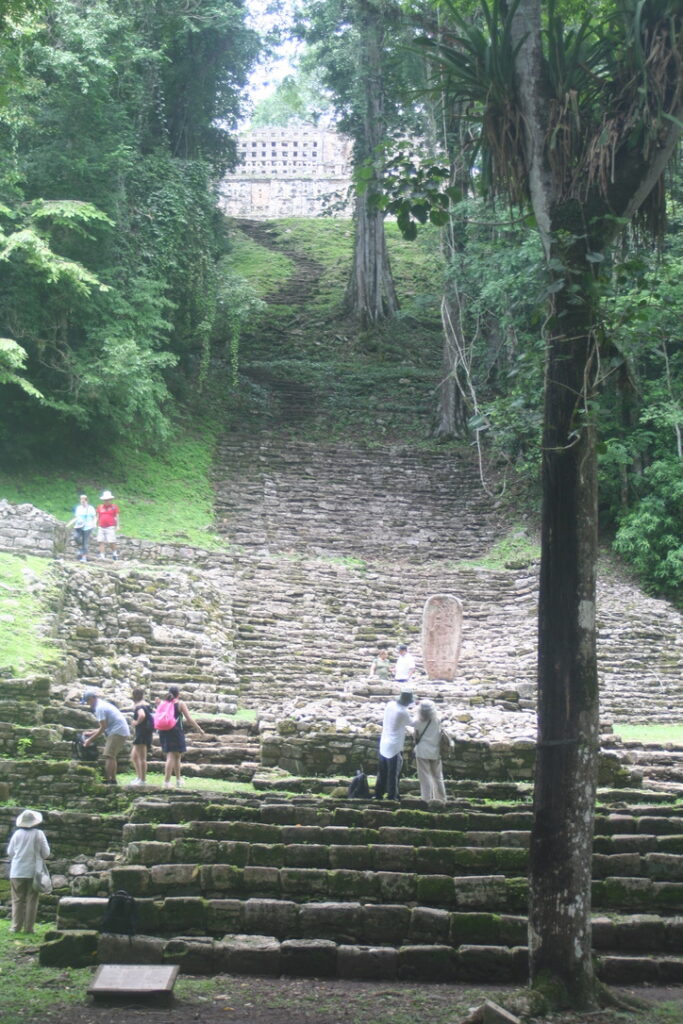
83	523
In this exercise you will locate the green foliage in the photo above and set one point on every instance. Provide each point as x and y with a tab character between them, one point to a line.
114	125
650	535
24	588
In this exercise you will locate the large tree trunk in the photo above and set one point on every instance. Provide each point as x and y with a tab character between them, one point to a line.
568	719
370	294
565	779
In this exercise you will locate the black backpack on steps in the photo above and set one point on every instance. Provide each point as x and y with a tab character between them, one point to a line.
359	789
121	914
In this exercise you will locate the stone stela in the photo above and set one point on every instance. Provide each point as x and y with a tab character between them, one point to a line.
441	636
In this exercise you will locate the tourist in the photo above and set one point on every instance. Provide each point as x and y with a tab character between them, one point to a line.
143	724
113	725
391	743
381	667
405	665
107	524
83	522
427	732
173	740
27	849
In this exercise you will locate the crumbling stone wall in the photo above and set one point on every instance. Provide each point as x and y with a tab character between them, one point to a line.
25	529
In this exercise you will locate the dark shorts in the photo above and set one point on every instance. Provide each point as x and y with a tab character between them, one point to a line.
172	741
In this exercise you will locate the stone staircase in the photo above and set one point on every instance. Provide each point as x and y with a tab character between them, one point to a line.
299	886
387	503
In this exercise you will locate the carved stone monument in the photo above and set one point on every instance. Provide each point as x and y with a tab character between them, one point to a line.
441	636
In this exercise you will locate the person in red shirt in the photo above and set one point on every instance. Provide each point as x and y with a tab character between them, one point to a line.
107	524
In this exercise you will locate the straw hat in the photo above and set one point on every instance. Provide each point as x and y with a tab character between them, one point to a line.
29	819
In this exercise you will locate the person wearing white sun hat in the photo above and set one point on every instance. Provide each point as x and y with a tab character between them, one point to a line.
27	848
107	524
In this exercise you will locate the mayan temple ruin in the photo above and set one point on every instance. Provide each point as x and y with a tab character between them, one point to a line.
289	172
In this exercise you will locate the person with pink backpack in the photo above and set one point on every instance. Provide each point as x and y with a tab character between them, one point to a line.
168	721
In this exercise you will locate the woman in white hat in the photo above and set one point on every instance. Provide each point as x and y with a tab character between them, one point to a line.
27	848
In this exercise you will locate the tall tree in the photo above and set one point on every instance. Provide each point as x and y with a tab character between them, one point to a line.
580	122
359	47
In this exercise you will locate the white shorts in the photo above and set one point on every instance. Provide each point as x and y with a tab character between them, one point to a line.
106	534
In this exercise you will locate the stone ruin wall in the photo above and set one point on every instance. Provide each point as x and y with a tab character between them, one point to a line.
288	172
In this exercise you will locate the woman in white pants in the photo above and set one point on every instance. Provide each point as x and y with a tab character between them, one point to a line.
427	731
27	849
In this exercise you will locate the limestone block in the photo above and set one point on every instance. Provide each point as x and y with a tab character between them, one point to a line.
185	915
134	878
480	892
174	876
367	963
341	922
267	855
279	917
664	866
304	958
69	949
80	913
263	880
306	855
224	916
304	881
223	878
393	858
395	887
436	890
429	925
194	955
482	963
188	849
251	954
352	884
426	963
138	949
621	970
434	860
441	636
354	857
385	923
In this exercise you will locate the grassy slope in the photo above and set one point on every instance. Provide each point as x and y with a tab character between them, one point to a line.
23	643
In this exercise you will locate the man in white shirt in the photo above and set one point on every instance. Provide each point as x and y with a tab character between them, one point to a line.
396	719
405	665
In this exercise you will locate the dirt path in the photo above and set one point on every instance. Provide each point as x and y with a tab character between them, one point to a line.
240	1000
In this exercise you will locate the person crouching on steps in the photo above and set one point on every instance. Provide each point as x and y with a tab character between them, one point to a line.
114	727
27	847
173	740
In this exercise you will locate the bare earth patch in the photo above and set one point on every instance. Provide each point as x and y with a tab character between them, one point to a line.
241	1000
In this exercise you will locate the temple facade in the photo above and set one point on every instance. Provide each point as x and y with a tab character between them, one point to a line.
289	172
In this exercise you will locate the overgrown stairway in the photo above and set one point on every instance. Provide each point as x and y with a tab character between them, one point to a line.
318	887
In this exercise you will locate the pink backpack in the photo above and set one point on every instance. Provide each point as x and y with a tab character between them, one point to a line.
164	716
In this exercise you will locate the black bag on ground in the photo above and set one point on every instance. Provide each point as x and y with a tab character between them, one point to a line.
83	753
359	789
121	914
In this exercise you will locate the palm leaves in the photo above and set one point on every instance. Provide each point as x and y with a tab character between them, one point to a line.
610	82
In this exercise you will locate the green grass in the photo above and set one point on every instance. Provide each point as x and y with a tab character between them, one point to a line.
264	269
192	785
29	990
23	585
514	551
165	495
656	733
